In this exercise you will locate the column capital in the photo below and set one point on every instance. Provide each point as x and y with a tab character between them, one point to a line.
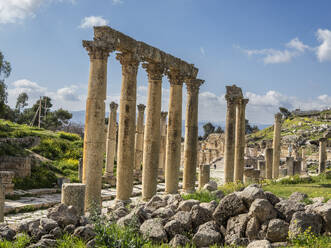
113	106
128	58
175	77
244	101
96	50
232	99
164	115
193	85
154	70
141	107
278	117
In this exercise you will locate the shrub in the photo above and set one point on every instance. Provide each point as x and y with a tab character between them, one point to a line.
69	241
21	242
69	136
202	196
232	187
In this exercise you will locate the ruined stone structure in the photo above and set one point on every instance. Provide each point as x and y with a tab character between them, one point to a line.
269	162
73	194
139	140
276	145
157	64
322	155
21	166
111	140
163	143
210	149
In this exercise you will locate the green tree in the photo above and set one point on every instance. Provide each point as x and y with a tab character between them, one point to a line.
285	112
250	129
219	129
5	70
208	128
22	101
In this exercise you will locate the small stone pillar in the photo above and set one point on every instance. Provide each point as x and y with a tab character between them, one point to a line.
111	140
94	135
297	167
251	175
73	195
174	132
80	170
163	143
2	202
191	135
276	145
152	134
261	165
322	155
139	142
303	159
127	126
204	175
268	159
290	166
239	160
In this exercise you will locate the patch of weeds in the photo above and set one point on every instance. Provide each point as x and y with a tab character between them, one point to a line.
69	241
309	239
21	242
69	136
202	196
229	188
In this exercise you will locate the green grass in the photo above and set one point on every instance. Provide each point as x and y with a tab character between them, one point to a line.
202	196
21	242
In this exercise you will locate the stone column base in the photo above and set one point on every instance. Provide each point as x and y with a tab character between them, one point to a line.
109	179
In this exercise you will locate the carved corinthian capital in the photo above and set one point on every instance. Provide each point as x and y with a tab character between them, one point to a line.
129	61
141	107
97	50
175	77
193	85
155	70
113	106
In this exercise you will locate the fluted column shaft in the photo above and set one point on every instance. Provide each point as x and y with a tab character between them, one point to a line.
276	145
111	140
191	135
163	141
94	124
229	139
152	130
239	161
174	133
322	155
126	129
139	142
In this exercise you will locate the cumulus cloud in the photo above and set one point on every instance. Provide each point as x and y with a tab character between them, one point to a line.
68	93
297	44
273	56
117	2
12	11
323	51
92	21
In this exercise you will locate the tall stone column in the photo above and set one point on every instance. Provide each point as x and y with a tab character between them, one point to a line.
229	138
126	128
139	143
240	141
94	123
111	140
163	142
268	159
276	145
322	155
303	161
152	130
174	132
191	135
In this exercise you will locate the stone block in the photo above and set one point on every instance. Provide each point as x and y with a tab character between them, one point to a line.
73	194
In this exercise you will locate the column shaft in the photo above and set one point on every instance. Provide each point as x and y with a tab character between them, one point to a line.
276	145
322	155
126	129
268	162
139	142
111	140
152	131
163	142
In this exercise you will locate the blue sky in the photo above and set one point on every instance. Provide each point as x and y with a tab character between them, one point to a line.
279	52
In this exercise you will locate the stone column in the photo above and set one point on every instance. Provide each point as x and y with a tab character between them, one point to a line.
139	143
126	127
111	140
94	123
322	155
240	141
174	133
303	161
152	134
276	145
229	138
268	159
2	202
191	135
289	166
163	142
204	175
73	195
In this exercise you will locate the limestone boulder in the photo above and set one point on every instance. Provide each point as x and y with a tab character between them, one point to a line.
135	218
164	213
84	232
173	200
277	230
179	241
272	198
219	194
47	224
252	229
301	221
64	215
180	223
187	205
155	202
287	208
298	197
251	193
207	235
153	230
210	186
259	244
325	212
69	229
235	230
118	213
7	233
263	210
56	232
211	206
230	205
200	215
44	243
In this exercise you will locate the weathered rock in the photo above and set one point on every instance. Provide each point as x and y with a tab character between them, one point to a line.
207	235
288	208
47	224
154	230
325	212
179	241
187	205
44	243
135	218
297	196
200	215
252	229
262	234
211	206
210	186
69	229
48	236
219	194
7	233
21	227
180	223
235	229
230	205
155	202
56	232
301	221
64	215
85	232
273	199
164	213
277	230
119	213
262	210
250	193
91	244
259	244
174	200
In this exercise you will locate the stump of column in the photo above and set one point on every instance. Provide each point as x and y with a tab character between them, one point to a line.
290	166
174	133
303	160
163	143
204	175
2	202
322	155
191	135
251	175
73	195
239	161
139	140
126	129
297	167
152	134
261	165
269	158
111	140
276	145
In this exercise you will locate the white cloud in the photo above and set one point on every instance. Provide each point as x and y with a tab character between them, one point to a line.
91	21
297	44
202	50
68	93
12	11
272	56
323	51
117	2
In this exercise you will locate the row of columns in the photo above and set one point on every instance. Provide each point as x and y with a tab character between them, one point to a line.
129	155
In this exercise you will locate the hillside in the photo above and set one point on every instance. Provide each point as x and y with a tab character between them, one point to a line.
59	151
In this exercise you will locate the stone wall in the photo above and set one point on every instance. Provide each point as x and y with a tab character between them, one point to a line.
21	166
